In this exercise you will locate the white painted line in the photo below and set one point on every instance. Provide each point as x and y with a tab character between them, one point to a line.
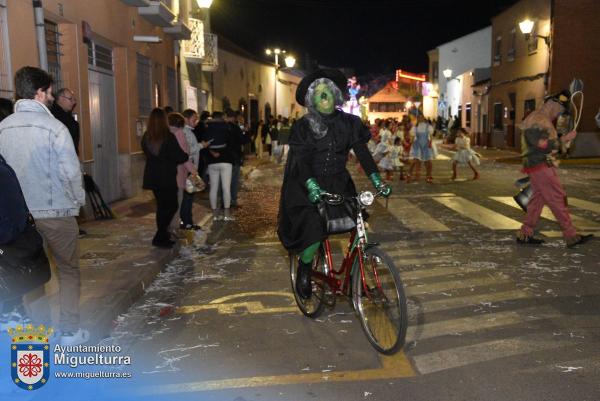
477	353
559	234
479	214
480	322
437	288
412	217
579	222
441	271
414	196
481	300
583	204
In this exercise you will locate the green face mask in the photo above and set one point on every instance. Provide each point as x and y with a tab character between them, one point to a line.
323	99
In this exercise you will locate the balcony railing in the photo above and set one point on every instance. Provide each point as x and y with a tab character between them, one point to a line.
210	62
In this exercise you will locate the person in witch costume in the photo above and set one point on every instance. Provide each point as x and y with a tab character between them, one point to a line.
319	146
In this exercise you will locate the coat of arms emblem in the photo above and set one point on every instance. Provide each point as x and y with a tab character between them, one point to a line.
30	356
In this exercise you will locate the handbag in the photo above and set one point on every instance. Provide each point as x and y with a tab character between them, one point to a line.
337	219
193	186
23	264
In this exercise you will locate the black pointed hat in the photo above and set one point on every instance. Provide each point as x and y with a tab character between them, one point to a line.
336	76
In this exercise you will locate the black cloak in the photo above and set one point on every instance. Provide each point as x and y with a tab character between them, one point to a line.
299	222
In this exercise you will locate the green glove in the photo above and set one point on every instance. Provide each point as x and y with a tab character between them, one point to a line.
378	183
314	190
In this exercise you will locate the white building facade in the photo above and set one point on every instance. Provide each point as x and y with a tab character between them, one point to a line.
456	58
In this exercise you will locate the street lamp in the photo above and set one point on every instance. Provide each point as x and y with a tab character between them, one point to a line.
204	3
526	27
447	73
290	61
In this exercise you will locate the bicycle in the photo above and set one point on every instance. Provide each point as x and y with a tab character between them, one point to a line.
367	276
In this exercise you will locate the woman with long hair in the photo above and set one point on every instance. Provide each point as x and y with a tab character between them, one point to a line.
163	154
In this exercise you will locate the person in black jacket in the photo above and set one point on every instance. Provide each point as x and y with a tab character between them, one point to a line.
62	109
238	139
220	164
163	154
200	132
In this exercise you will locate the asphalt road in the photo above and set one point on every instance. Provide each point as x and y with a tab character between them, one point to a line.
489	320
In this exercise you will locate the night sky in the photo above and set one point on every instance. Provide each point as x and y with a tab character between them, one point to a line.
371	36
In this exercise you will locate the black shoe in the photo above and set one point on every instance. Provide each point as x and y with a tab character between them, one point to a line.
578	239
82	233
530	240
163	243
303	285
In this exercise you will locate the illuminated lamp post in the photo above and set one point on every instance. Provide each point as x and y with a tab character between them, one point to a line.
526	27
289	60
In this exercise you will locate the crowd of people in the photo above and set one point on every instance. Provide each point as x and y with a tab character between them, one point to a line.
402	146
189	152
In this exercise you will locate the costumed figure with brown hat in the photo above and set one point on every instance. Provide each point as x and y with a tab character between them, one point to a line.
539	144
319	146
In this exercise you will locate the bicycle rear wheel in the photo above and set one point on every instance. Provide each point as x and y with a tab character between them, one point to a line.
381	302
313	306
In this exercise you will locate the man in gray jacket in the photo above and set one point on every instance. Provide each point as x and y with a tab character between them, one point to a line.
40	150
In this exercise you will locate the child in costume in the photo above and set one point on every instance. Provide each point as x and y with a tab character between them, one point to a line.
421	150
319	146
386	163
464	154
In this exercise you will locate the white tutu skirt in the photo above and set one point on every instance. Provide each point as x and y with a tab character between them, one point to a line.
386	163
464	156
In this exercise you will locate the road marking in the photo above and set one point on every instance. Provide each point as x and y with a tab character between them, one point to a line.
252	307
479	214
205	220
583	204
477	353
413	196
456	285
479	300
272	243
479	323
578	221
559	234
442	271
392	367
412	216
421	261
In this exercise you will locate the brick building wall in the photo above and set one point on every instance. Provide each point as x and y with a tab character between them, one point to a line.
576	53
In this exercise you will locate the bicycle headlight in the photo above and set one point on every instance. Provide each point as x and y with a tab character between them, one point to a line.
366	198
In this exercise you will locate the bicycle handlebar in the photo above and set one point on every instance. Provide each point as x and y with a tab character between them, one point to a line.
336	199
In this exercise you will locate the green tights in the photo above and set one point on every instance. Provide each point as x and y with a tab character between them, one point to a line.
308	254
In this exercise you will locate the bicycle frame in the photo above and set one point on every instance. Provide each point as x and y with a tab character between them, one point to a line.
354	251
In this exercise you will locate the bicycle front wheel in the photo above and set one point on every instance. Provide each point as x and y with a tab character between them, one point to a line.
312	306
380	301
